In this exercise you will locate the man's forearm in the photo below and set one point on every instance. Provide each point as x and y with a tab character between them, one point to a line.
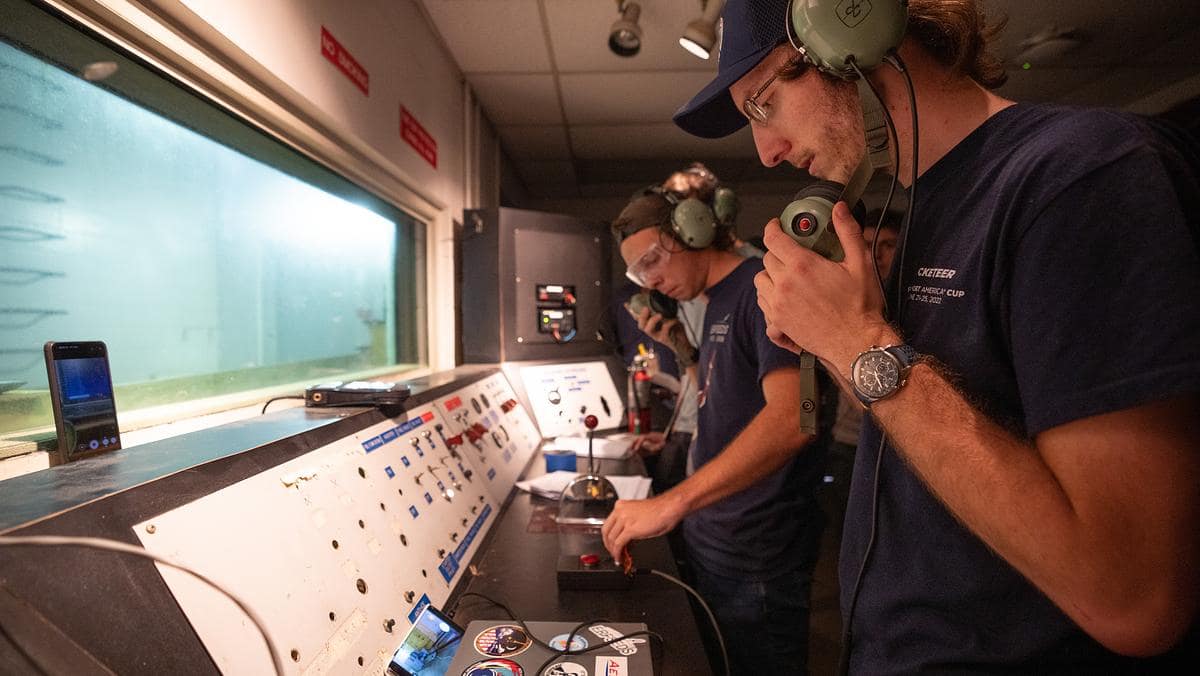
993	482
769	441
1069	537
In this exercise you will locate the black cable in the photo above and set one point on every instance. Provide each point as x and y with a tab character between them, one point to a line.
898	63
22	652
124	548
847	628
275	399
711	617
887	203
847	632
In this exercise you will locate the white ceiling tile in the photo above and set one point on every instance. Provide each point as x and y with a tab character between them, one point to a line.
537	143
610	98
517	99
579	30
492	35
655	140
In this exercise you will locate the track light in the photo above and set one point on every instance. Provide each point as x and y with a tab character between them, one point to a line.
701	34
625	36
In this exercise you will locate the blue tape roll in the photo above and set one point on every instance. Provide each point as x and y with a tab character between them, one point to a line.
560	461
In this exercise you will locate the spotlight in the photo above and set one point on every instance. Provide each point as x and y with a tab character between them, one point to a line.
701	34
625	36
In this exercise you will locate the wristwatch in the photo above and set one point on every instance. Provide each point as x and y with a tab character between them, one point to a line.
878	372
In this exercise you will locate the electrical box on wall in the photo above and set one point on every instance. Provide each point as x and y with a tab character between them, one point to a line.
534	286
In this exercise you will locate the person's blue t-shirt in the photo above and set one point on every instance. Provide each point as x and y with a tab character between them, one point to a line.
768	528
1052	266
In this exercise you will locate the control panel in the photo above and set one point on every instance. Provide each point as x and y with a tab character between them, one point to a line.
556	311
340	549
563	395
491	430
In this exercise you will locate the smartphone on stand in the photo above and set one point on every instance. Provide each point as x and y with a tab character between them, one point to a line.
81	394
429	646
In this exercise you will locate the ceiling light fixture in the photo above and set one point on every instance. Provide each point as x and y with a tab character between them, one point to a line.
701	34
625	36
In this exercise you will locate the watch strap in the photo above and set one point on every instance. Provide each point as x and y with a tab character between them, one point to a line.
904	353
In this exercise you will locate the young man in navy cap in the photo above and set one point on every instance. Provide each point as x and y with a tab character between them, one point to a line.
1027	487
750	521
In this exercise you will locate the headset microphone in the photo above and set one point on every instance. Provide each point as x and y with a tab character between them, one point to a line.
658	302
808	219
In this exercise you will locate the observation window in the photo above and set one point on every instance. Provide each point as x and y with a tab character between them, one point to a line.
212	258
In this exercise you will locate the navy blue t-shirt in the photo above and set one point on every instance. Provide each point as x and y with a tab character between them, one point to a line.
1051	266
766	529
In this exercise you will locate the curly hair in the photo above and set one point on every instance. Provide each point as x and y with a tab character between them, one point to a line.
955	32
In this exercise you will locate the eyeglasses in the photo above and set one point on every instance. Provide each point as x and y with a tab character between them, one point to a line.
750	106
653	259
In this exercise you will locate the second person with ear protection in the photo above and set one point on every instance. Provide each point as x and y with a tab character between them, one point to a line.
747	511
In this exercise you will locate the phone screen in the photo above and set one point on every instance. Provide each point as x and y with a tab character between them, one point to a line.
84	398
428	648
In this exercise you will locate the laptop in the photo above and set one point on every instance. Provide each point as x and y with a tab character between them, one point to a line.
503	648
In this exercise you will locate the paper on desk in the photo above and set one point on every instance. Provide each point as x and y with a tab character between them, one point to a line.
609	448
551	485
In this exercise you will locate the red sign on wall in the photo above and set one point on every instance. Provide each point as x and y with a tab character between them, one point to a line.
416	136
333	50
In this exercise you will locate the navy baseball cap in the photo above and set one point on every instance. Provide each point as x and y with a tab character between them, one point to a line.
750	30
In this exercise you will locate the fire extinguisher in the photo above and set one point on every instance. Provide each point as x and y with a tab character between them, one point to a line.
638	394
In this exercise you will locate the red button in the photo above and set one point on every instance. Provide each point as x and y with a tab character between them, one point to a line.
805	224
589	560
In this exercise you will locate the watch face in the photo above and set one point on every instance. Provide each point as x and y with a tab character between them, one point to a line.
876	374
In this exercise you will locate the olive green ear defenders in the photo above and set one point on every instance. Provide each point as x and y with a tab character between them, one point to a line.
693	221
833	33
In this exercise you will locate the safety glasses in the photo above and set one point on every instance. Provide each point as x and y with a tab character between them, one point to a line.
652	260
